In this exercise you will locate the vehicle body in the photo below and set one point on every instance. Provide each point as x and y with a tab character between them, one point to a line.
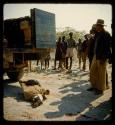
29	38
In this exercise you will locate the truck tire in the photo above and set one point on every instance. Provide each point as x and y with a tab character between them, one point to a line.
15	75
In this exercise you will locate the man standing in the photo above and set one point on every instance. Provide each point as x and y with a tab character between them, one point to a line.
70	46
58	53
64	49
84	51
98	72
79	52
91	44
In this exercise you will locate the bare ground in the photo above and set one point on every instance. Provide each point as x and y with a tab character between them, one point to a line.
69	99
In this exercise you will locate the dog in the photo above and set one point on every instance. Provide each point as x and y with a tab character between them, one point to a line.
33	92
37	100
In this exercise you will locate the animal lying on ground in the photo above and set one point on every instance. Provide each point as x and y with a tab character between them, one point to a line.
33	92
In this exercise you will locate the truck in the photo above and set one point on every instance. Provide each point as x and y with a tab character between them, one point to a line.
28	38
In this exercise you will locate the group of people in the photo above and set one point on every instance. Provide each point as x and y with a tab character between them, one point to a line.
97	46
64	51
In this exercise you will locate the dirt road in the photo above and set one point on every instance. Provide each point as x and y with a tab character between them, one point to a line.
69	99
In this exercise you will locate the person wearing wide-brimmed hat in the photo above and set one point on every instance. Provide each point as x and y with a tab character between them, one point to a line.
98	72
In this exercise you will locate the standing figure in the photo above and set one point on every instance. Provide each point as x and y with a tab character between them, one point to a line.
70	46
64	50
98	71
91	44
84	51
79	51
58	54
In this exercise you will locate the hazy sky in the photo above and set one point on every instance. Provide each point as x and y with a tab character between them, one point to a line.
79	16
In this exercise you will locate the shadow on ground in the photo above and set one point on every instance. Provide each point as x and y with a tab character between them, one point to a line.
102	112
11	90
75	101
79	73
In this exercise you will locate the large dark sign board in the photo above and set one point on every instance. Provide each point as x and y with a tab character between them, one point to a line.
45	31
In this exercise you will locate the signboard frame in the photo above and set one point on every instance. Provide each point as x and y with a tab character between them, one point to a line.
43	29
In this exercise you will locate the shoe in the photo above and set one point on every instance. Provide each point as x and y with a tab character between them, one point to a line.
98	92
90	89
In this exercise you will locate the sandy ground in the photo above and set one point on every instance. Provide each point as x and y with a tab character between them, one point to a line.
69	99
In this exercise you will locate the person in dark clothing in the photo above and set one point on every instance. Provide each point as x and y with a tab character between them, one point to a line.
64	50
98	72
84	51
91	44
58	54
79	51
110	57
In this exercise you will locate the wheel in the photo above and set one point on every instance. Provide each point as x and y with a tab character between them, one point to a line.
15	75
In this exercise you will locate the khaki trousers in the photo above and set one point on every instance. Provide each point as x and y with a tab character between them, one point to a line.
98	74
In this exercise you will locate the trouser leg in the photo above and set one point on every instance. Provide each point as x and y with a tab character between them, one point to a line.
48	63
60	63
45	64
37	62
41	64
84	63
54	64
70	62
66	62
80	62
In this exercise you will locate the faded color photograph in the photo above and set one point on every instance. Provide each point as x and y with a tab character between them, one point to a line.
57	62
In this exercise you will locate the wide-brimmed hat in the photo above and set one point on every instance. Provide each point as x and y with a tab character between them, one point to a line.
100	22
